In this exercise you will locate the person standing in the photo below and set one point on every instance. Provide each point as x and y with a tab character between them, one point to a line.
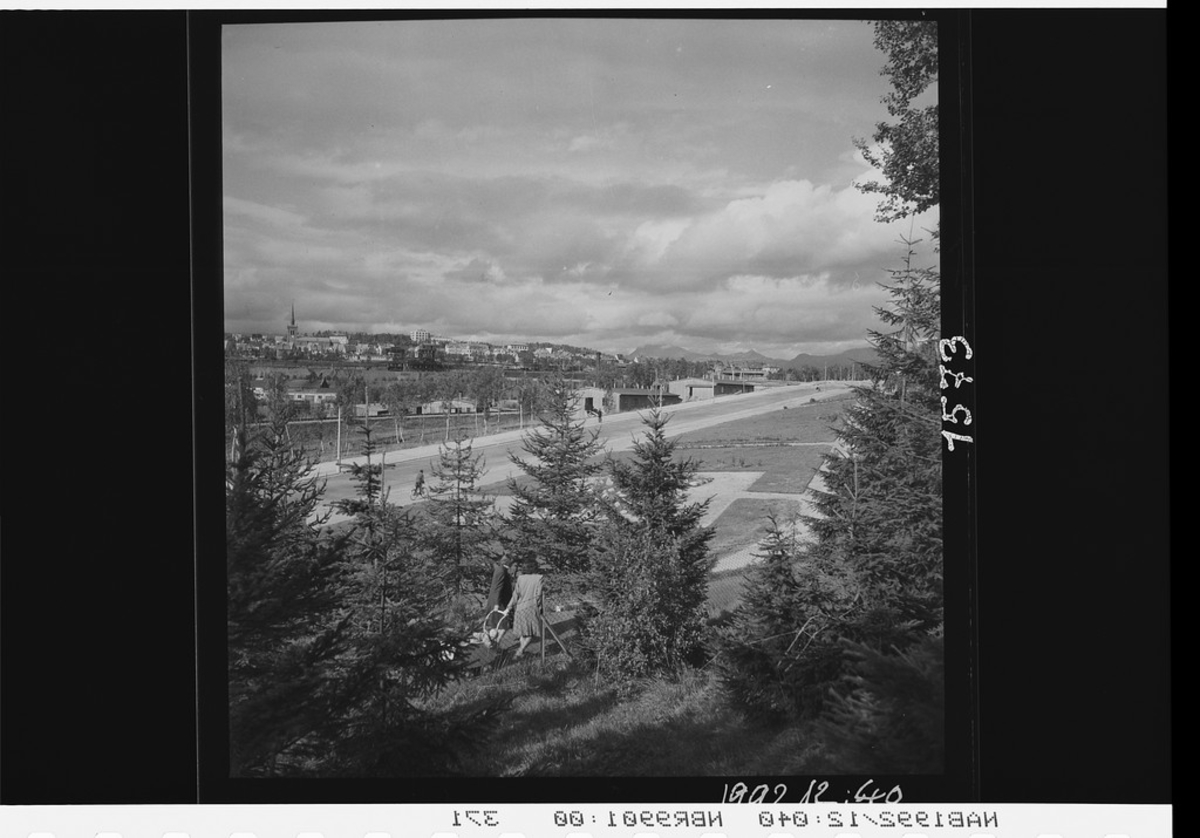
500	594
525	604
419	486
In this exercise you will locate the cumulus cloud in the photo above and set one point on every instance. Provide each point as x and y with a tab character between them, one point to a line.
790	227
679	180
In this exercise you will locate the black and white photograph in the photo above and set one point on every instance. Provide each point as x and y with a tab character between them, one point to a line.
584	397
536	408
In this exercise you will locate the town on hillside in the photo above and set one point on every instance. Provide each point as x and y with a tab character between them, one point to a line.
324	371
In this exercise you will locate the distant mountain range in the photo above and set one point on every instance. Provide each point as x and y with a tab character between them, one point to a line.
863	355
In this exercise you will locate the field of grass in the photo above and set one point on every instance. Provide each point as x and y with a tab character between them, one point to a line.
785	469
562	722
806	423
745	522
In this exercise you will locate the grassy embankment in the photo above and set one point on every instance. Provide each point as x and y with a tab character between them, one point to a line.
562	722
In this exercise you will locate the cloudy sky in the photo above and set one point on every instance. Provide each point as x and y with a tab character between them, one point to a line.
605	183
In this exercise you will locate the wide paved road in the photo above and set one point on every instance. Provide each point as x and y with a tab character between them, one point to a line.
618	431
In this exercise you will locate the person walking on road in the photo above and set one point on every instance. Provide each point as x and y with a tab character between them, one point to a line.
419	486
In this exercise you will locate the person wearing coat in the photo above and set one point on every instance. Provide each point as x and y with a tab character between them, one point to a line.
499	595
524	605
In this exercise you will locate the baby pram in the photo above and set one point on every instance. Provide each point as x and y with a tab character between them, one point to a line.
488	653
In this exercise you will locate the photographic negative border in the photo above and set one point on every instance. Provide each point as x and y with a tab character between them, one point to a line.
1070	139
960	780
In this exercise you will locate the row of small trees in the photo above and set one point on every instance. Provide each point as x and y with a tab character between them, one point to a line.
483	386
621	538
334	635
337	635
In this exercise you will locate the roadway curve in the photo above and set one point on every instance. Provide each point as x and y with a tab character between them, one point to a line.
618	432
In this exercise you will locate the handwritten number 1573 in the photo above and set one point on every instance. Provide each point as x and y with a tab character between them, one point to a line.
946	348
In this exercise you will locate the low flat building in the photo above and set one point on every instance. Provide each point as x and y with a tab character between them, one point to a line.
372	410
692	389
592	399
742	371
729	387
313	396
442	407
636	399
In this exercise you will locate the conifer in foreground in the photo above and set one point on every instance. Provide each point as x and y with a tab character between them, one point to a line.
650	563
881	516
652	490
284	627
459	518
553	515
650	617
404	647
781	649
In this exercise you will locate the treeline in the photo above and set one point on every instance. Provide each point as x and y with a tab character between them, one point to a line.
487	390
837	372
484	386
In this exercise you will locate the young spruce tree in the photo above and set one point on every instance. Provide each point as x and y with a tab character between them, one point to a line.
650	566
652	490
285	627
881	515
873	578
552	516
460	518
781	649
404	646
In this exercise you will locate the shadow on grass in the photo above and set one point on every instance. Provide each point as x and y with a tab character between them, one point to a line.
683	747
540	705
538	721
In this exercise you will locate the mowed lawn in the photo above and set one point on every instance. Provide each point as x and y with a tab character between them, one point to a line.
806	423
784	468
747	521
